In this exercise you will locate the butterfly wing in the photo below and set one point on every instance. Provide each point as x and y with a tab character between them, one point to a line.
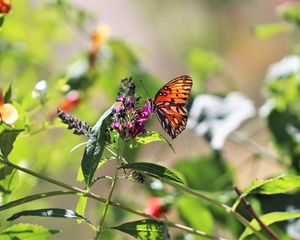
170	104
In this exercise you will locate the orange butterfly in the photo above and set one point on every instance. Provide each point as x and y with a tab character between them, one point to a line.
8	113
170	103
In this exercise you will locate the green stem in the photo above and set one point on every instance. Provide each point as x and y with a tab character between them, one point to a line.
228	209
115	204
112	187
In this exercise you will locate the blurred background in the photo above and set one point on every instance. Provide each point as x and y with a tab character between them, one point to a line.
82	49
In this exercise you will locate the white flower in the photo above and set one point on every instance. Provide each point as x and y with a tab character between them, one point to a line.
40	89
215	117
286	66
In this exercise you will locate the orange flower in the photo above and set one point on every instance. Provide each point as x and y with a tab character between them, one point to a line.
71	100
5	6
99	35
98	38
8	113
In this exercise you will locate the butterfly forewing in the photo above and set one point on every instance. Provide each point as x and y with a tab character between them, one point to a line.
170	104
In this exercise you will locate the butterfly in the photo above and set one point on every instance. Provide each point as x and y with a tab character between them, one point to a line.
169	104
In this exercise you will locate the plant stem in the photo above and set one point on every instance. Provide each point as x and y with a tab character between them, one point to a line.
119	156
228	209
115	204
251	211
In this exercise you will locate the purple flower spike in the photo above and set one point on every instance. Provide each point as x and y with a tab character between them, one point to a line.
127	119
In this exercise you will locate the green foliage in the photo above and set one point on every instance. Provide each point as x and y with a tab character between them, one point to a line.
269	219
71	13
280	184
270	30
49	212
8	182
81	205
43	151
195	215
143	229
2	18
290	13
203	64
8	94
27	232
150	137
94	148
154	170
216	175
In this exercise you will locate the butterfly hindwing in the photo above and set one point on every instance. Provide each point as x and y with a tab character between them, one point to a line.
170	104
173	118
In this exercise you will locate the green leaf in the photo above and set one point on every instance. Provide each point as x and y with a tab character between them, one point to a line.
270	30
27	232
49	212
155	170
94	148
2	18
34	197
280	184
195	215
290	12
269	219
217	174
8	181
202	64
8	93
148	138
80	176
144	229
7	139
81	205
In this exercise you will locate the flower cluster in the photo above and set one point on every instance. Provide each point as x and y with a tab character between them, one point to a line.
128	120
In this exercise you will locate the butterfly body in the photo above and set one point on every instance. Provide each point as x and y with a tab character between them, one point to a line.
169	104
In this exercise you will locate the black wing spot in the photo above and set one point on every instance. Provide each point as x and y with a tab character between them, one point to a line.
172	100
165	94
160	94
165	88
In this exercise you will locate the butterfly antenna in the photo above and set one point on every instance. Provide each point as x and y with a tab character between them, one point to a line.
145	88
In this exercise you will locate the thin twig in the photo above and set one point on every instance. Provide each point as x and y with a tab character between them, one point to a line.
111	190
226	208
99	178
103	200
251	211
